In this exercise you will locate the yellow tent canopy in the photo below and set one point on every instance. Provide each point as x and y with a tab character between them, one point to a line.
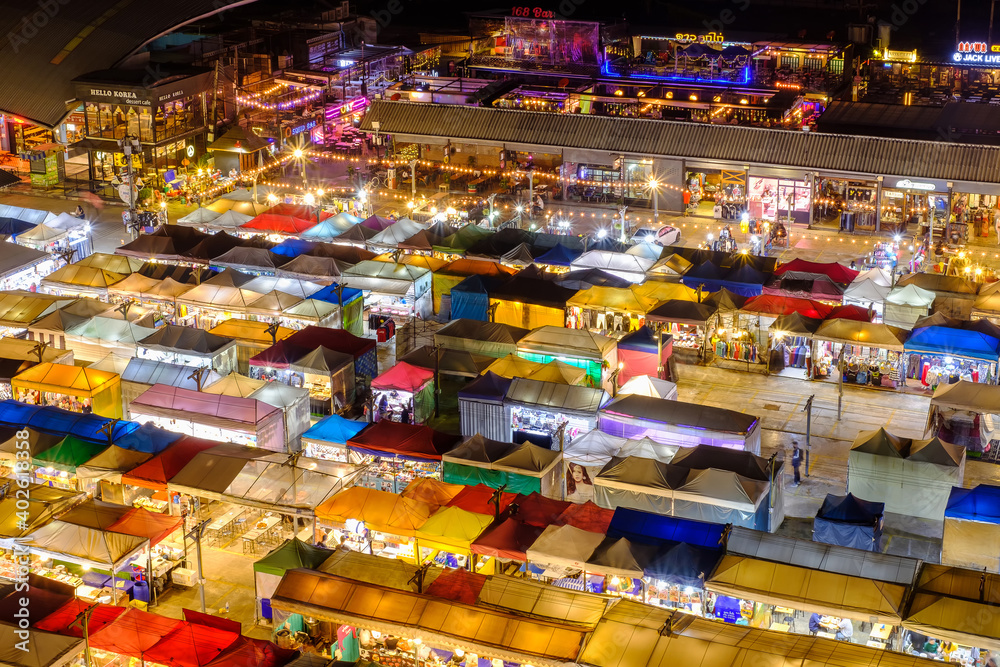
235	384
379	510
665	291
114	263
452	529
423	261
83	276
103	388
946	604
621	299
249	331
135	284
513	366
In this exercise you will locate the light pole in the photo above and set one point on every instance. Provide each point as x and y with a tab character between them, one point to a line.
130	146
654	186
413	180
621	213
299	155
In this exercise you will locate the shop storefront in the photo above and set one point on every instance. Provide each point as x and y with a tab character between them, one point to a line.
548	414
401	453
935	355
866	353
779	200
717	193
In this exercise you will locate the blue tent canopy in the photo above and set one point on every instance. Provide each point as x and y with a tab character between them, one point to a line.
682	564
953	343
13	226
641	340
147	438
744	280
979	504
61	422
560	255
489	387
705	271
850	509
470	300
293	247
329	294
335	429
649	528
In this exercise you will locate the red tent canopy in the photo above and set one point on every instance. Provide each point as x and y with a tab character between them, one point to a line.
157	471
133	633
143	523
851	313
192	616
477	499
403	377
587	516
838	273
280	355
769	304
61	621
191	645
339	340
404	440
298	211
281	224
458	586
538	510
508	539
247	652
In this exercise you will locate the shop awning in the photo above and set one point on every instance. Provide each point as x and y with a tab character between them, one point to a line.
867	334
379	510
508	539
970	396
90	546
956	604
480	629
542	601
941	340
452	529
369	569
807	589
405	441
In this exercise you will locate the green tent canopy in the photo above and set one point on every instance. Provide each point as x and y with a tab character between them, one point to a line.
292	554
70	453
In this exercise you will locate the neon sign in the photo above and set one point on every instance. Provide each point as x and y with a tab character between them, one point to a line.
357	104
978	53
710	38
302	128
907	184
533	12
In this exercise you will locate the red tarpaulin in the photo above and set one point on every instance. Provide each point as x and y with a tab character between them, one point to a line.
404	440
775	306
509	539
280	224
247	652
298	211
851	313
192	616
61	621
280	355
838	273
157	471
191	645
458	586
477	499
587	516
143	523
403	377
133	633
339	340
538	510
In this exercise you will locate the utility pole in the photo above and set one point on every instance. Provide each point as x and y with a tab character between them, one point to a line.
495	498
129	145
808	409
413	180
840	382
621	212
198	375
531	195
196	534
437	381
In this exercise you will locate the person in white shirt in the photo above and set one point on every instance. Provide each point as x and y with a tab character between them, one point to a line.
845	630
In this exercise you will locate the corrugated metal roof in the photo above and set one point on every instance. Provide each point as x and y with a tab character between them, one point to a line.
76	38
742	145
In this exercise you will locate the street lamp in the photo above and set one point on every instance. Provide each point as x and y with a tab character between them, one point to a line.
163	209
309	199
654	186
272	199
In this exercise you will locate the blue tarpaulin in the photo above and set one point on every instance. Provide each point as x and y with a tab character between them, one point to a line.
560	255
329	294
848	521
335	429
745	280
470	300
293	247
649	528
61	422
953	343
979	504
147	438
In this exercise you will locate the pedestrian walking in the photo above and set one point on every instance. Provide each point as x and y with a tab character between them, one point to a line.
796	462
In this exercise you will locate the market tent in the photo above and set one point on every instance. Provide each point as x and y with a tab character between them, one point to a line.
530	302
186	340
647	249
563	550
199	216
449	362
310	267
509	539
653	528
56	420
523	468
578	347
78	279
229	278
141	374
144	523
592	450
878	275
332	227
419	382
867	334
586	516
617	557
808	589
294	405
513	366
682	312
940	340
647	448
794	324
431	491
292	247
559	255
570	400
16	520
378	510
469	299
229	218
480	406
677	423
972	528
281	355
90	546
246	651
191	645
867	293
645	385
452	529
838	273
133	633
775	306
293	286
642	353
397	233
338	367
273	304
275	223
463	239
156	472
377	223
956	605
291	554
42	649
333	431
482	500
234	384
250	259
212	246
519	256
906	304
69	454
849	521
618	299
362	349
586	278
406	441
110	464
301	211
910	477
488	338
133	285
629	267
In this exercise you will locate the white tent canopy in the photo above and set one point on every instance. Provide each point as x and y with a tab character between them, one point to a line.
396	233
629	267
199	216
563	550
293	286
293	402
647	385
99	336
83	545
865	292
878	275
905	305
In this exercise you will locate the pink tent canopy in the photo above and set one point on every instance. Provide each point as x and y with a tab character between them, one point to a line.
403	377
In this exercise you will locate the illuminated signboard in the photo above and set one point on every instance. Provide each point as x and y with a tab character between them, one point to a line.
979	53
351	106
907	184
302	128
